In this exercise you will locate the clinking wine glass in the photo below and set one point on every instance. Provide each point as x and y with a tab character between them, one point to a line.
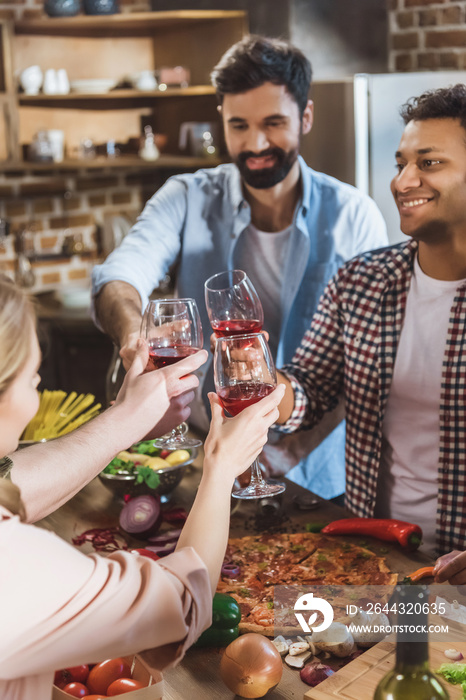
244	373
233	305
172	329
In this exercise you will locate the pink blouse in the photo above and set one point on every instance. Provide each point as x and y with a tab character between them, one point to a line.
60	608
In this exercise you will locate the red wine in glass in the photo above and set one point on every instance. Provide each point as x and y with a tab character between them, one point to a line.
162	356
232	303
244	374
236	326
173	331
239	396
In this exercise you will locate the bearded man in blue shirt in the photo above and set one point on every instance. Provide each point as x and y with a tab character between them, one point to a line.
289	227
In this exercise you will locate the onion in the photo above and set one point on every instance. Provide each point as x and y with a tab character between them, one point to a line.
141	516
453	654
315	673
251	666
103	539
230	570
165	537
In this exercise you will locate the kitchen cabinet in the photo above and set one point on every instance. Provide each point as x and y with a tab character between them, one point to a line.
113	47
75	354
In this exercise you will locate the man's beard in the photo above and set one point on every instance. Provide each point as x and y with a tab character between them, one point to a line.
267	177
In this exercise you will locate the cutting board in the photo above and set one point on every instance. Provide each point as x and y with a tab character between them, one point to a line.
358	679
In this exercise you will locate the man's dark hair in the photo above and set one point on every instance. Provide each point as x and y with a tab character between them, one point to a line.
256	60
444	103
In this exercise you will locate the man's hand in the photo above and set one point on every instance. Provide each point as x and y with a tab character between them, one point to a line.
152	403
451	567
128	349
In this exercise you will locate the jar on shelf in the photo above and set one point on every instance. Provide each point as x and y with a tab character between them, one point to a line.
101	7
62	8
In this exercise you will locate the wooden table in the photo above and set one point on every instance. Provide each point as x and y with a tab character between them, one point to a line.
197	677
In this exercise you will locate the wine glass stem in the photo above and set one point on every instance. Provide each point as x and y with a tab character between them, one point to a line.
256	474
176	434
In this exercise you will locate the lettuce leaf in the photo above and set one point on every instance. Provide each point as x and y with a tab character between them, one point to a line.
454	673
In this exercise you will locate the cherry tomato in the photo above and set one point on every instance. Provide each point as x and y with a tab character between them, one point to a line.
77	690
164	453
76	674
123	685
105	673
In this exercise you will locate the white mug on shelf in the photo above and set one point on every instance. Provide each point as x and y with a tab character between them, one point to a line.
50	86
63	84
146	81
57	141
31	80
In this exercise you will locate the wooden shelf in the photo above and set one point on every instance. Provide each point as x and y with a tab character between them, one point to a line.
120	163
130	24
113	47
129	96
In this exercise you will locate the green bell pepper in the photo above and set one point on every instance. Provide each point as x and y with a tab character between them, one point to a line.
226	615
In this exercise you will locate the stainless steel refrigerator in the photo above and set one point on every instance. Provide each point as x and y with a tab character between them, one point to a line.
357	129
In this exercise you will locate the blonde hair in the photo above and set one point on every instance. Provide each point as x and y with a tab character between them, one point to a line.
17	319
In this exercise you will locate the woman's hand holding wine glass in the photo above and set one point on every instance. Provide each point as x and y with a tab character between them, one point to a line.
244	374
173	331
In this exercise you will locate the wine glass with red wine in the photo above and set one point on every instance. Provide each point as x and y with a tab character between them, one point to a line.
233	304
244	373
173	330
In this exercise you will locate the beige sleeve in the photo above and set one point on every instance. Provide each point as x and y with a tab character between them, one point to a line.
60	608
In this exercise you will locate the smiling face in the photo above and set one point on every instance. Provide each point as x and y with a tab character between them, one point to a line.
430	186
20	402
262	133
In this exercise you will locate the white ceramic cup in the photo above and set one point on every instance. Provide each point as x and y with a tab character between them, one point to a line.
31	80
50	86
57	141
63	84
146	80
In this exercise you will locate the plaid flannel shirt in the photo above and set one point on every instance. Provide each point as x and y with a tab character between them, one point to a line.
350	351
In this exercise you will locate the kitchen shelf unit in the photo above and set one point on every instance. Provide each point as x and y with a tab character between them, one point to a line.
114	47
130	163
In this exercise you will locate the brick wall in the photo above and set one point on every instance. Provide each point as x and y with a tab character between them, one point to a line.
53	207
427	35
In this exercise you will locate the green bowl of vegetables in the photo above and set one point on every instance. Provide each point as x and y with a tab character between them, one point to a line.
144	468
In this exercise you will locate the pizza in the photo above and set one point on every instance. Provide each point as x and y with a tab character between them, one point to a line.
256	564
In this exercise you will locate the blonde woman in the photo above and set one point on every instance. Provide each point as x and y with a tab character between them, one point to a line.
61	608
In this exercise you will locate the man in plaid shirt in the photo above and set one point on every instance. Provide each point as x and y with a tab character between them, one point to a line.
388	337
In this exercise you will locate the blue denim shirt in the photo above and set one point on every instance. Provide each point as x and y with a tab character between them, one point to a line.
197	219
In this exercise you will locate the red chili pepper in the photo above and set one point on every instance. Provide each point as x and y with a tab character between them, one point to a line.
408	535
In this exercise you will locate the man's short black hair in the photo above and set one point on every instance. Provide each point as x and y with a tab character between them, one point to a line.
444	103
256	60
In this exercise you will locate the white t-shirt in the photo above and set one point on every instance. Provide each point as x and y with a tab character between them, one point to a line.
262	256
408	477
